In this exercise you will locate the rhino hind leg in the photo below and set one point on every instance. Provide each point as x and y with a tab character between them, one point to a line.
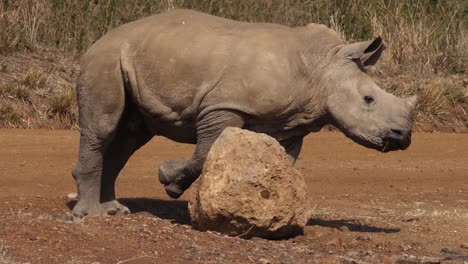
129	137
178	175
101	102
87	174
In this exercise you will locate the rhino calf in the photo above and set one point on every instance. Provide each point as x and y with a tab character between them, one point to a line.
186	76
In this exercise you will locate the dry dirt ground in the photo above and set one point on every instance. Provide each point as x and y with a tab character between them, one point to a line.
369	207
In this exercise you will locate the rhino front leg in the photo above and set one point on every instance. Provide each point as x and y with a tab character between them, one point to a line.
177	175
292	147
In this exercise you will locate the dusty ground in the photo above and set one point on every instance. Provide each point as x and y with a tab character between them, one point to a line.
400	207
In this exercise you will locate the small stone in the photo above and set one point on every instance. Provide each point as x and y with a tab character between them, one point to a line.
446	250
363	238
336	242
409	218
264	261
430	260
354	254
464	245
72	195
344	228
69	216
407	259
407	247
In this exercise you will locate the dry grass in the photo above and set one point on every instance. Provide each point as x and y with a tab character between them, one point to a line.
9	116
422	35
22	88
38	93
15	90
62	106
423	40
427	43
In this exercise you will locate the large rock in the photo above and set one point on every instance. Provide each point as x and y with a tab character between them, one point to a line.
249	189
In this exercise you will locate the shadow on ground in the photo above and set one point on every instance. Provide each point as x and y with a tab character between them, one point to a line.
352	226
177	212
174	210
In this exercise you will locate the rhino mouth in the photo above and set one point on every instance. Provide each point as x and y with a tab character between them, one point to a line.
396	140
391	141
385	141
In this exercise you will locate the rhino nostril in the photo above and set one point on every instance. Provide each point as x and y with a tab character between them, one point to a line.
398	132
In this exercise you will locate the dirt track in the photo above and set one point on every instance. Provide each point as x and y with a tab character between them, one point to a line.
368	206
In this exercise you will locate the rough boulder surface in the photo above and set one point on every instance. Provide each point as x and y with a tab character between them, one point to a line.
249	189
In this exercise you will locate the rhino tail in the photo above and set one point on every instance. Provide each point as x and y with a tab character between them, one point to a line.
128	72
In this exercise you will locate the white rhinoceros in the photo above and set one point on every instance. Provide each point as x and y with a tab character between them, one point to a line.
186	76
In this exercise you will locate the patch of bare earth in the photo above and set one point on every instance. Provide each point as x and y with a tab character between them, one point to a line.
368	207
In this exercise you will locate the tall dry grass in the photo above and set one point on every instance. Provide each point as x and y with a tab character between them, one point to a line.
423	35
38	93
427	40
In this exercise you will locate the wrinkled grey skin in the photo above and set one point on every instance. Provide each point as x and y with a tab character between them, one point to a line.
186	76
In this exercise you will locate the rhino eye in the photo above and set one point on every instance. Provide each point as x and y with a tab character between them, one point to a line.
368	99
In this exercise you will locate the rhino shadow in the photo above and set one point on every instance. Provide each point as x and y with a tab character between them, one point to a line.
177	212
352	225
174	210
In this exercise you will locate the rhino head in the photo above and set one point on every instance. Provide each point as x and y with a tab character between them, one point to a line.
359	107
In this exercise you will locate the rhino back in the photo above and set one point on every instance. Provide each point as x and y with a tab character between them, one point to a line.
186	63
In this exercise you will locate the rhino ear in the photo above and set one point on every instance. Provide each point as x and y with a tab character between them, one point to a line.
366	53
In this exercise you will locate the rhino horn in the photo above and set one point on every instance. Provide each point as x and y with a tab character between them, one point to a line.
412	100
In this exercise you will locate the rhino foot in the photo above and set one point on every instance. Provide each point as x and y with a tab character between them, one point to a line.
171	170
114	207
177	188
172	174
83	209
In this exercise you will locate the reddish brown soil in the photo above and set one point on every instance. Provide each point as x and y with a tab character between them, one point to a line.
368	206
